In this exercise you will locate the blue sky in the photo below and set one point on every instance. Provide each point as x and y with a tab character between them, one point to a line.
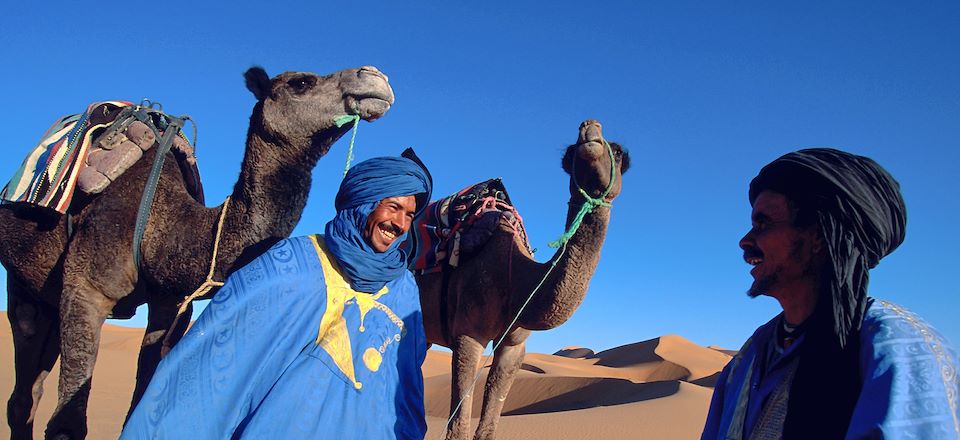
702	93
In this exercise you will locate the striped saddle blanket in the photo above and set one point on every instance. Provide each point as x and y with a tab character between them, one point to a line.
456	226
72	153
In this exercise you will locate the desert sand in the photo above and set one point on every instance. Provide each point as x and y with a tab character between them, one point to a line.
655	389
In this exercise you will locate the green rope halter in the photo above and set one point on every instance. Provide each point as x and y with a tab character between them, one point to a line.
590	204
340	121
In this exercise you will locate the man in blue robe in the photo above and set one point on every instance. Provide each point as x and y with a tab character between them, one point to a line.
319	337
836	363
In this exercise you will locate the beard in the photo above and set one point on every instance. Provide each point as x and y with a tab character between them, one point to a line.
762	286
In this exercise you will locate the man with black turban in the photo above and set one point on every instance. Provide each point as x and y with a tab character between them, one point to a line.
319	337
836	363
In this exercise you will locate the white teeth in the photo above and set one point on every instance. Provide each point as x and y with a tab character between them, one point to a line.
754	261
388	234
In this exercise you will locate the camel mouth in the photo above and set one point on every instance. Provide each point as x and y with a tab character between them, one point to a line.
380	99
388	98
592	143
370	107
591	150
590	131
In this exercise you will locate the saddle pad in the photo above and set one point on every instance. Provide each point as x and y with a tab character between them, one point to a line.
437	233
49	175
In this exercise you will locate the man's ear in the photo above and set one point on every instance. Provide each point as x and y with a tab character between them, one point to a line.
258	82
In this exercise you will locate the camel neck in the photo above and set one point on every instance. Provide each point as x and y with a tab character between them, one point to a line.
566	285
267	200
268	176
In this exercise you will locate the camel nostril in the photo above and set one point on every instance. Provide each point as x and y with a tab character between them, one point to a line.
589	122
370	70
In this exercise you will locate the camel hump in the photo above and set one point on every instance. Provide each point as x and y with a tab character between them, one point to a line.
454	228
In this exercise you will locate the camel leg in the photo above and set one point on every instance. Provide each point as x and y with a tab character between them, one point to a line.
466	357
506	362
83	309
159	320
36	346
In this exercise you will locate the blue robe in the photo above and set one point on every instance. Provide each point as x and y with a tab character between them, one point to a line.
910	385
286	350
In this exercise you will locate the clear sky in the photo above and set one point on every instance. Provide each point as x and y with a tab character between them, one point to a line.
702	93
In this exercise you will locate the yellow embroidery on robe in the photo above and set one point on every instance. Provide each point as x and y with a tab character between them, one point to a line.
334	337
372	359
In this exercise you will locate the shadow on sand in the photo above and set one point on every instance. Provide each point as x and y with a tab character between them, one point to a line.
606	392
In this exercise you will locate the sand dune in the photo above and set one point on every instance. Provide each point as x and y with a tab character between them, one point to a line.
657	388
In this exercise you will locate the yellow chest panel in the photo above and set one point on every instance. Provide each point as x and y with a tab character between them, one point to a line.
334	335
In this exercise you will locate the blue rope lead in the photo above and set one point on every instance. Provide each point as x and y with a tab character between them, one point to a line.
341	121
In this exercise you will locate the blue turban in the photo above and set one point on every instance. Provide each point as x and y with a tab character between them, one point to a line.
361	190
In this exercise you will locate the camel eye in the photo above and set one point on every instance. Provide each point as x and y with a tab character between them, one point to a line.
301	84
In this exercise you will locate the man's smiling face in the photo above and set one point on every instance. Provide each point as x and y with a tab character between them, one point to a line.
391	219
782	254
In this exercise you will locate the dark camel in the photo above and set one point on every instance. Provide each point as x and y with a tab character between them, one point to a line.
60	289
485	292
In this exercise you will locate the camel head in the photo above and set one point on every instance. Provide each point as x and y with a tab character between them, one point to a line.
588	163
299	108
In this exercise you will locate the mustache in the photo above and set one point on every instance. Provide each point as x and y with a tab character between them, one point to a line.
390	227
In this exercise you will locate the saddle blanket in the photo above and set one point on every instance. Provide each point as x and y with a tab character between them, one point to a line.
48	175
459	224
65	157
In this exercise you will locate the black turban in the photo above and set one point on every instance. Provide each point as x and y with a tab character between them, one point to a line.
861	215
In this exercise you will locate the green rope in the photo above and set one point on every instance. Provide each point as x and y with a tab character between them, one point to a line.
341	121
590	204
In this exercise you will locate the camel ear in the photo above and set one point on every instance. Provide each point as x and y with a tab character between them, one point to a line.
258	82
567	161
624	158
